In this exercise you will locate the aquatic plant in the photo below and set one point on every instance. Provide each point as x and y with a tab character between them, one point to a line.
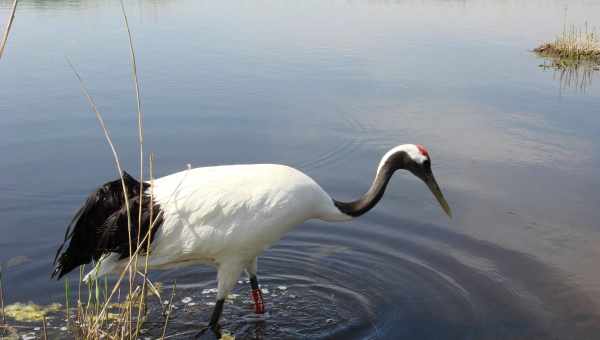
30	311
573	46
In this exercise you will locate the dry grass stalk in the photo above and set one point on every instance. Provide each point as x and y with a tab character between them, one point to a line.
11	18
67	313
142	308
2	298
169	309
139	105
97	317
92	319
573	45
108	140
141	149
44	330
87	316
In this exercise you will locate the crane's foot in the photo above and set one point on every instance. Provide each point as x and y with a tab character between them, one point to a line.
213	325
214	328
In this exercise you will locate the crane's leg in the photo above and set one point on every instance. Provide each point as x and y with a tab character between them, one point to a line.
227	276
259	305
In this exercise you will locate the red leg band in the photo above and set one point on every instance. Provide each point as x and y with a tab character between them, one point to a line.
259	306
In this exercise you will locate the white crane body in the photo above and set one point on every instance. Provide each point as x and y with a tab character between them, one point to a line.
224	216
229	213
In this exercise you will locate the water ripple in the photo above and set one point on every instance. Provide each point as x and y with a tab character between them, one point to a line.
394	277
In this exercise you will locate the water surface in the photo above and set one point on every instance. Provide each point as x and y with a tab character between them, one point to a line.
328	87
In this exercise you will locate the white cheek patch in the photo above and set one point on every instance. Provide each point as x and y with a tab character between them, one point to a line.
417	152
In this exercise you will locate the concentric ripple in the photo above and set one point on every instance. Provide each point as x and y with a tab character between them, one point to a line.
389	278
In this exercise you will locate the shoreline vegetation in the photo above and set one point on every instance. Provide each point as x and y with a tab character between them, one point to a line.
574	47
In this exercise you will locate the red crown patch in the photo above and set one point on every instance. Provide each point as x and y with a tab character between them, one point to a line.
422	150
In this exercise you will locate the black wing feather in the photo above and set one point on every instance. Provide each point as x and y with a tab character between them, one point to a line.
100	225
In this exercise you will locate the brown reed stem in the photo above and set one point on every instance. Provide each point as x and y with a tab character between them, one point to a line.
117	163
2	298
141	146
142	305
11	18
169	311
44	330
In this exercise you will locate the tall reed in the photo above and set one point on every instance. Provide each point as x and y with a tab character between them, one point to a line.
573	44
9	21
94	317
2	298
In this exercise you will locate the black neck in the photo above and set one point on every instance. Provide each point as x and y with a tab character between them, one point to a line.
371	198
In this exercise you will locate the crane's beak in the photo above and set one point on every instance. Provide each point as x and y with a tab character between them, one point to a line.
435	189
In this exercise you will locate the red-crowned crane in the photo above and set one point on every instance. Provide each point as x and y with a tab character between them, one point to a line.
224	216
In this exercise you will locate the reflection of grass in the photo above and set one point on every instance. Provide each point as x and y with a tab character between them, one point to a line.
574	56
577	77
572	47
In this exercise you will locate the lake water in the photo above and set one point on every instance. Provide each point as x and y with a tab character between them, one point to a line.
327	87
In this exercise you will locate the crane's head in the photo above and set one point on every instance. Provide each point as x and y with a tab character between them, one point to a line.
414	158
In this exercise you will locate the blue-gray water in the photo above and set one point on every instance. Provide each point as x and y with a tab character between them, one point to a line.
328	87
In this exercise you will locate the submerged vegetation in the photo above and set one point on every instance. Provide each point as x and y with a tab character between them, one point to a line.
30	311
574	47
